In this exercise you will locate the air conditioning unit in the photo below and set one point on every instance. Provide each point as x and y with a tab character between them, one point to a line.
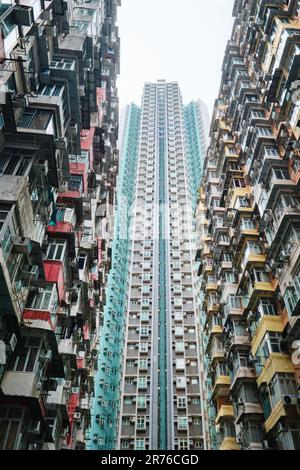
63	187
11	342
289	400
77	416
67	384
41	168
34	427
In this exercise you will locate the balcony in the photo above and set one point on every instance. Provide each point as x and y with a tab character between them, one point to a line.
276	362
225	412
279	411
248	409
229	443
267	323
22	384
67	348
221	387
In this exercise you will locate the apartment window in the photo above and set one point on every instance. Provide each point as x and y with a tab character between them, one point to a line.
56	251
248	224
143	347
196	401
259	275
140	444
264	132
248	392
11	418
228	257
181	402
145	302
266	307
130	363
194	381
229	278
75	183
127	401
240	359
197	422
141	423
281	173
45	299
253	431
270	344
142	402
242	202
271	151
143	364
253	247
282	384
87	234
142	383
28	362
183	444
146	289
145	331
182	423
144	316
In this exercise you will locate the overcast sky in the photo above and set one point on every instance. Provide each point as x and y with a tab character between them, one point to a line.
176	40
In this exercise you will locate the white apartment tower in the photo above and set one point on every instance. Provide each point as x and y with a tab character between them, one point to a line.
161	404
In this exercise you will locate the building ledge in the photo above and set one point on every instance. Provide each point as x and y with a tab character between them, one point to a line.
277	362
225	412
229	443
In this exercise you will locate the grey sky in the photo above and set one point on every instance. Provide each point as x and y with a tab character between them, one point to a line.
181	40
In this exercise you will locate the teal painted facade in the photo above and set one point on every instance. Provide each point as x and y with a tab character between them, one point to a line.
195	147
105	410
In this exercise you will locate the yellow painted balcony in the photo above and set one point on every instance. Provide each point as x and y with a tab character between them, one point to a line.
278	412
225	412
268	323
221	387
211	287
277	362
229	443
261	289
212	307
239	192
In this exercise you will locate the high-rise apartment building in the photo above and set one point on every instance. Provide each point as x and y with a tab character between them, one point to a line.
58	165
150	388
249	258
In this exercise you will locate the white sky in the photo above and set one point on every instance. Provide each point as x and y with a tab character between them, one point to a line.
176	40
